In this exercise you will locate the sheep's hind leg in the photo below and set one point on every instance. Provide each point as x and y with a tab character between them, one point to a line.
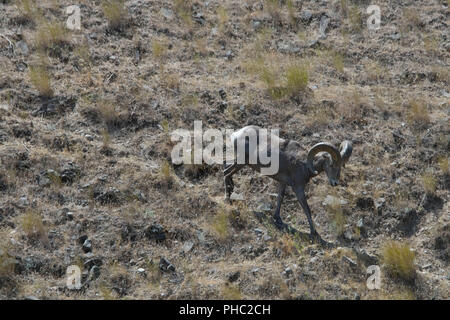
276	215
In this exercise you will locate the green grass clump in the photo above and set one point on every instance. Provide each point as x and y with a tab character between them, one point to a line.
399	260
296	79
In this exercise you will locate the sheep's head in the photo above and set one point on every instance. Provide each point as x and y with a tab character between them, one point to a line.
330	159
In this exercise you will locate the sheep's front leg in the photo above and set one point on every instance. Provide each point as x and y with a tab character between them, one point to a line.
302	200
276	215
228	172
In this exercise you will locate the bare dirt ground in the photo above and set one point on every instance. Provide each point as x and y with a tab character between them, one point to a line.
86	176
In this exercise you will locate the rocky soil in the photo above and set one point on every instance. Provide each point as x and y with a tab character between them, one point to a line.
86	176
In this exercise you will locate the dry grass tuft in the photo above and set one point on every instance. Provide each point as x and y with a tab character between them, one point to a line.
27	9
183	8
33	226
40	79
221	224
115	12
418	115
231	292
429	182
50	35
399	260
443	163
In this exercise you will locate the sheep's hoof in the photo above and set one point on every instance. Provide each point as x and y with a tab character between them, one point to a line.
278	223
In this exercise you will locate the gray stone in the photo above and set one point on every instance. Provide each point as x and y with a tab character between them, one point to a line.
23	48
323	25
188	246
166	13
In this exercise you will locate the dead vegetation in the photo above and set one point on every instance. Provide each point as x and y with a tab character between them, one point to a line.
85	149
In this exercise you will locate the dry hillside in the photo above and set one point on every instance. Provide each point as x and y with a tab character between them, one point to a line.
86	176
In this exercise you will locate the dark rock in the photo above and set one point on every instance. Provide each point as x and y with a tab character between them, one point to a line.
365	257
21	131
69	173
431	202
409	221
94	273
129	233
111	196
287	272
155	232
232	277
82	239
441	243
88	264
165	265
365	203
87	246
379	205
306	15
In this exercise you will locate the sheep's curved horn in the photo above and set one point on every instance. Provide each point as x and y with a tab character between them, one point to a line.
323	147
345	149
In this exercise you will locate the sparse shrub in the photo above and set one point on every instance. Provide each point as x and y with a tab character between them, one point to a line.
287	246
50	35
429	182
399	260
343	7
54	178
431	44
107	112
355	19
338	61
171	81
296	79
40	79
27	9
289	83
221	224
165	178
337	216
222	18
7	263
231	292
411	19
120	280
115	12
443	163
418	115
154	273
291	12
159	49
33	226
273	7
183	8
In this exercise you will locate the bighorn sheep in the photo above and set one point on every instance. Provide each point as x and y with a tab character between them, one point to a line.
292	171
